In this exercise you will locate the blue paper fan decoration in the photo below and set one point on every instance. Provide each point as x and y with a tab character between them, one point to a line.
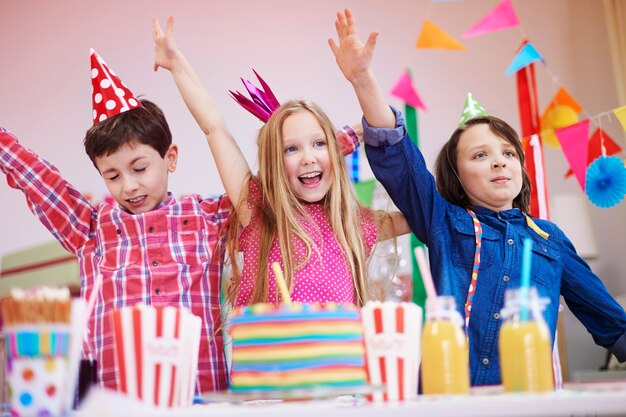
606	181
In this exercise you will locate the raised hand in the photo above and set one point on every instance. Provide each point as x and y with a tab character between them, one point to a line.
352	56
166	51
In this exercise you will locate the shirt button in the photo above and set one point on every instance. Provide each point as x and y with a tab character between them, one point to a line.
510	241
151	229
506	278
485	361
496	316
154	263
157	291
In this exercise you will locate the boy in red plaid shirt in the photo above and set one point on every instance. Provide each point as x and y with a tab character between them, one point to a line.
148	247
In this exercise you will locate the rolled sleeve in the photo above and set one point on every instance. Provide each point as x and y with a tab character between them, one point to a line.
378	136
619	348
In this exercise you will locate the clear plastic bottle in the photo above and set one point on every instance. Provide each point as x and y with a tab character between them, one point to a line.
525	345
445	356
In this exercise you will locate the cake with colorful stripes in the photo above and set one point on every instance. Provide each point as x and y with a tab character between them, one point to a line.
296	346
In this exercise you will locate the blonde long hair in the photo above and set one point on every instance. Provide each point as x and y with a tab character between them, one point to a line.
280	209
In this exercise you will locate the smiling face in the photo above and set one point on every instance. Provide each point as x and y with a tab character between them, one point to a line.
136	175
306	158
489	168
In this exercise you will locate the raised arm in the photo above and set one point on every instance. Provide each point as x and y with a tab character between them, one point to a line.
231	163
354	58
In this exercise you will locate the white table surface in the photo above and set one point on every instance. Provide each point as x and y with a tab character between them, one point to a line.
598	399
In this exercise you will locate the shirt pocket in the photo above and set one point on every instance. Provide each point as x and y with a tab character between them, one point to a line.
119	244
188	239
545	263
463	244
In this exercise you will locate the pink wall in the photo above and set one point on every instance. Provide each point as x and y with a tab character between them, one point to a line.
45	84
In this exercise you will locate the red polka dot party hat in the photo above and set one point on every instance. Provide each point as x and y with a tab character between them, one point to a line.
110	96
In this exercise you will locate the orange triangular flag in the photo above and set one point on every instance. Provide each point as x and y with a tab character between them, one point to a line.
564	98
433	37
595	147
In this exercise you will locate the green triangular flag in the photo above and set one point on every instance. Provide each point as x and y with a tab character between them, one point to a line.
472	109
365	191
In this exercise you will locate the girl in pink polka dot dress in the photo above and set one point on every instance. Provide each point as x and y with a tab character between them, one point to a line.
300	211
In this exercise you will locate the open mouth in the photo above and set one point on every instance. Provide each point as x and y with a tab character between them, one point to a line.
137	201
311	179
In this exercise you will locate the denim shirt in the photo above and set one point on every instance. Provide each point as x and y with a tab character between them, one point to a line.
448	231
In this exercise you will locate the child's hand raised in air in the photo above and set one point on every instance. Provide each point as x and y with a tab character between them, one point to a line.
352	56
165	50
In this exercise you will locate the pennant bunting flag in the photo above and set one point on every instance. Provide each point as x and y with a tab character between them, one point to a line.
471	109
526	56
620	113
433	37
564	98
365	191
501	17
405	91
598	138
556	117
574	143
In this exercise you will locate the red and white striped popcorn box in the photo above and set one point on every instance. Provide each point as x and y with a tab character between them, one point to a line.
156	351
392	340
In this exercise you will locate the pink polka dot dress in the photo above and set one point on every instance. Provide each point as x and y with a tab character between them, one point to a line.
325	278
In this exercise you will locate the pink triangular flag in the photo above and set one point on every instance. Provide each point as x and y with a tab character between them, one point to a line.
574	141
501	17
405	91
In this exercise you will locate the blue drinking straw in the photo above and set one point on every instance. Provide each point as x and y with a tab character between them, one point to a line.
525	285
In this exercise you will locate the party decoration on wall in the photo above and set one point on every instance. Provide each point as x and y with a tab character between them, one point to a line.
433	37
471	109
562	111
503	16
406	91
598	140
524	57
531	142
574	143
539	188
365	191
606	181
620	113
110	96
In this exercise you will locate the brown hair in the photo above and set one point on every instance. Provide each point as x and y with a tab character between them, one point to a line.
145	125
446	172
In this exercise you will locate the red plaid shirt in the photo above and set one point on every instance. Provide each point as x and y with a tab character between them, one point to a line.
169	256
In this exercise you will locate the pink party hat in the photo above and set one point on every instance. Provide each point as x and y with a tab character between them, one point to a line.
263	102
110	96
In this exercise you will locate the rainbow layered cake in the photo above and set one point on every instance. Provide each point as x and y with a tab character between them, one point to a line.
297	346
